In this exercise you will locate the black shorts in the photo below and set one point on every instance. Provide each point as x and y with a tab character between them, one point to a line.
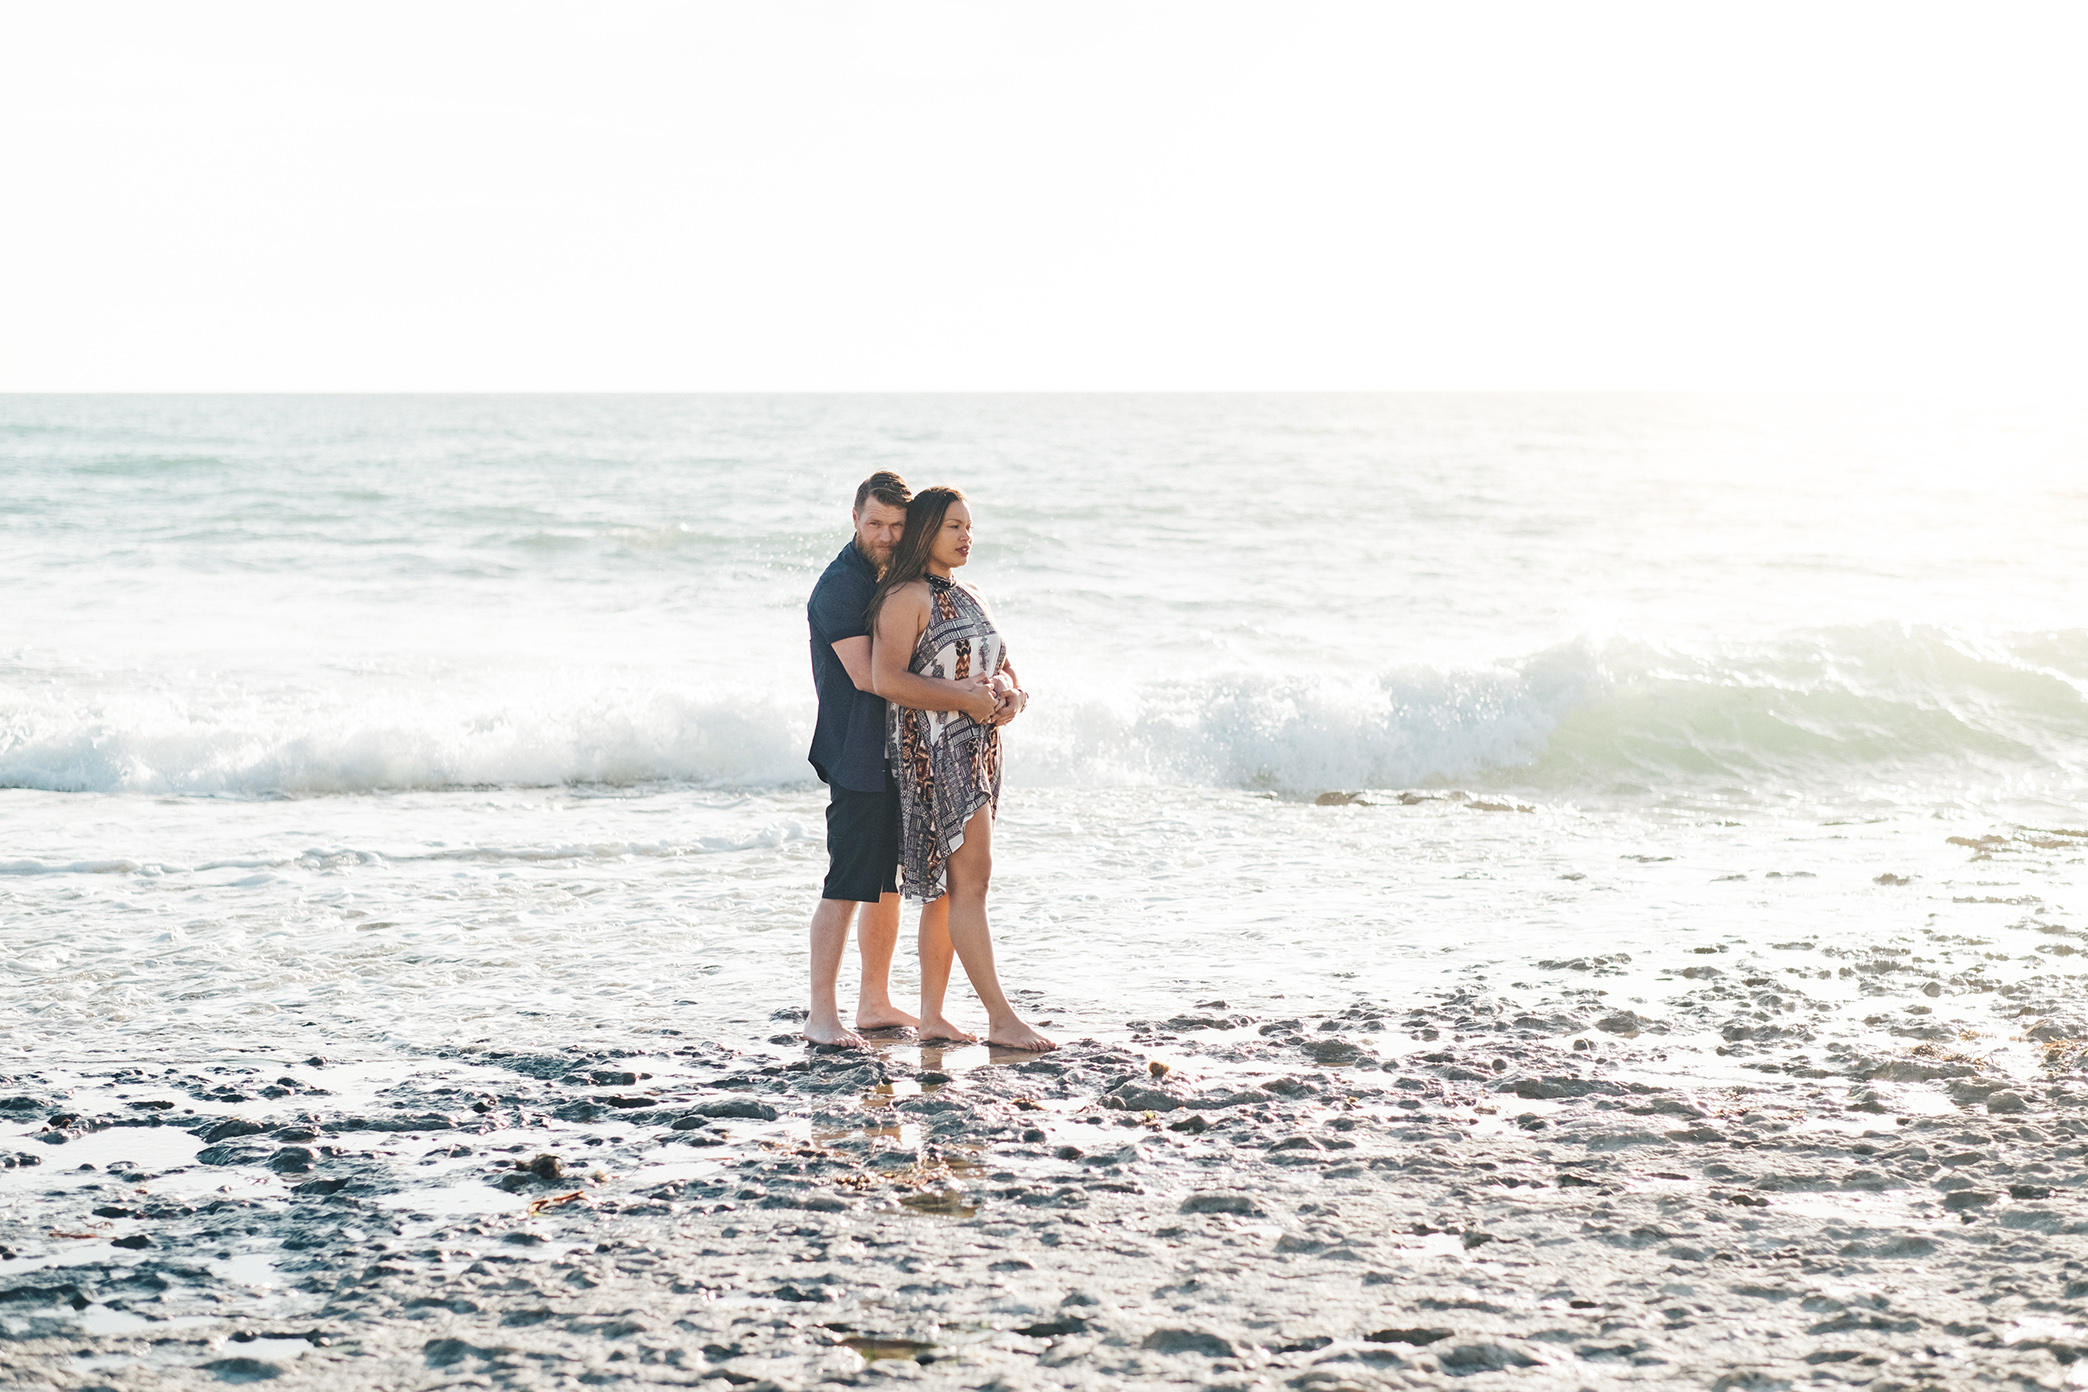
862	844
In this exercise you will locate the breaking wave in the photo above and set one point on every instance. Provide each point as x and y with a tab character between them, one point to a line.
1822	711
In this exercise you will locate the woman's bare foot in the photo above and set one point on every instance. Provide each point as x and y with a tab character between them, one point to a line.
833	1033
936	1027
886	1017
1013	1034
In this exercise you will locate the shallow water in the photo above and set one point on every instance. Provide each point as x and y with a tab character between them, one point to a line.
420	920
420	719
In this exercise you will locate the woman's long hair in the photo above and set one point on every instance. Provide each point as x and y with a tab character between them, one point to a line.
924	520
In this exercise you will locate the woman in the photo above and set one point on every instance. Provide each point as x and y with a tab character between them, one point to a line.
947	764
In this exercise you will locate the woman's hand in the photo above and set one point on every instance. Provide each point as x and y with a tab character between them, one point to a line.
1013	702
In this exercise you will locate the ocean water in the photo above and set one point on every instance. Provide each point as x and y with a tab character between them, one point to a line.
403	722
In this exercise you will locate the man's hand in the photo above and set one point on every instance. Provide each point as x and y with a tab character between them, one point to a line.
981	702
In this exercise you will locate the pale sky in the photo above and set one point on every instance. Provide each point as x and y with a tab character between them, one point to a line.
1051	196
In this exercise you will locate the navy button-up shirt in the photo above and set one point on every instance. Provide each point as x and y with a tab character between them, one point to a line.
848	741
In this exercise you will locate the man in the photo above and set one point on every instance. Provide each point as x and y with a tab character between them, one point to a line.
848	754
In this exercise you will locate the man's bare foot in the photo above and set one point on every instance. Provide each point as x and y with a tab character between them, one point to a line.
833	1033
936	1027
1017	1035
885	1017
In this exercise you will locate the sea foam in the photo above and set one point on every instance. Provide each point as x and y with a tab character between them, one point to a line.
1874	704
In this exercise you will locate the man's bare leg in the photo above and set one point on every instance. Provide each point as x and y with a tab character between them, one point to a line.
971	872
877	935
829	941
936	953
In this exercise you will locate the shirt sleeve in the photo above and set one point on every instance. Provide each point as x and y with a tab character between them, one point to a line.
837	610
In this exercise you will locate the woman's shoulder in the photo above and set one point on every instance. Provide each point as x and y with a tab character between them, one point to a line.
908	596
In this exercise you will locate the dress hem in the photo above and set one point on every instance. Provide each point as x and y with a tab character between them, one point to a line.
948	851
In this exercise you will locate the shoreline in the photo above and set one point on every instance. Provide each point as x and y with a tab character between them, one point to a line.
1538	1196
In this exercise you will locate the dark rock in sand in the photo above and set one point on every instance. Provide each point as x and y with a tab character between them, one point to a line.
446	1353
422	1121
1911	1071
230	1128
1239	1204
1135	1095
1186	1023
622	1103
1331	1051
745	1107
1553	1087
242	1370
1219	1100
1467	1359
1187	1341
1696	1134
1419	1338
544	1066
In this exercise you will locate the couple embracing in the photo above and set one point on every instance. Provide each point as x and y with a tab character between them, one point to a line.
914	685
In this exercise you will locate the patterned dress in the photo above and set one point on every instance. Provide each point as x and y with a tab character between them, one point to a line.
947	765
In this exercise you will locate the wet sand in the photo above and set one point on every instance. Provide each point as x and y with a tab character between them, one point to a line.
1809	1163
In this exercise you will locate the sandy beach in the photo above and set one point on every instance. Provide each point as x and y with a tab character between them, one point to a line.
1807	1162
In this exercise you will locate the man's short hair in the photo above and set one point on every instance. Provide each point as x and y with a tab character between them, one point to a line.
885	486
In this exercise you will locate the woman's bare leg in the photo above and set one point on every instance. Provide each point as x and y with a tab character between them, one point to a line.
935	973
970	874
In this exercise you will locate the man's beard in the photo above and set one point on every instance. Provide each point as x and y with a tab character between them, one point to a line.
877	562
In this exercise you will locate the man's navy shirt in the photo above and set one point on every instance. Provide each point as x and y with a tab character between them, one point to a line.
848	741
